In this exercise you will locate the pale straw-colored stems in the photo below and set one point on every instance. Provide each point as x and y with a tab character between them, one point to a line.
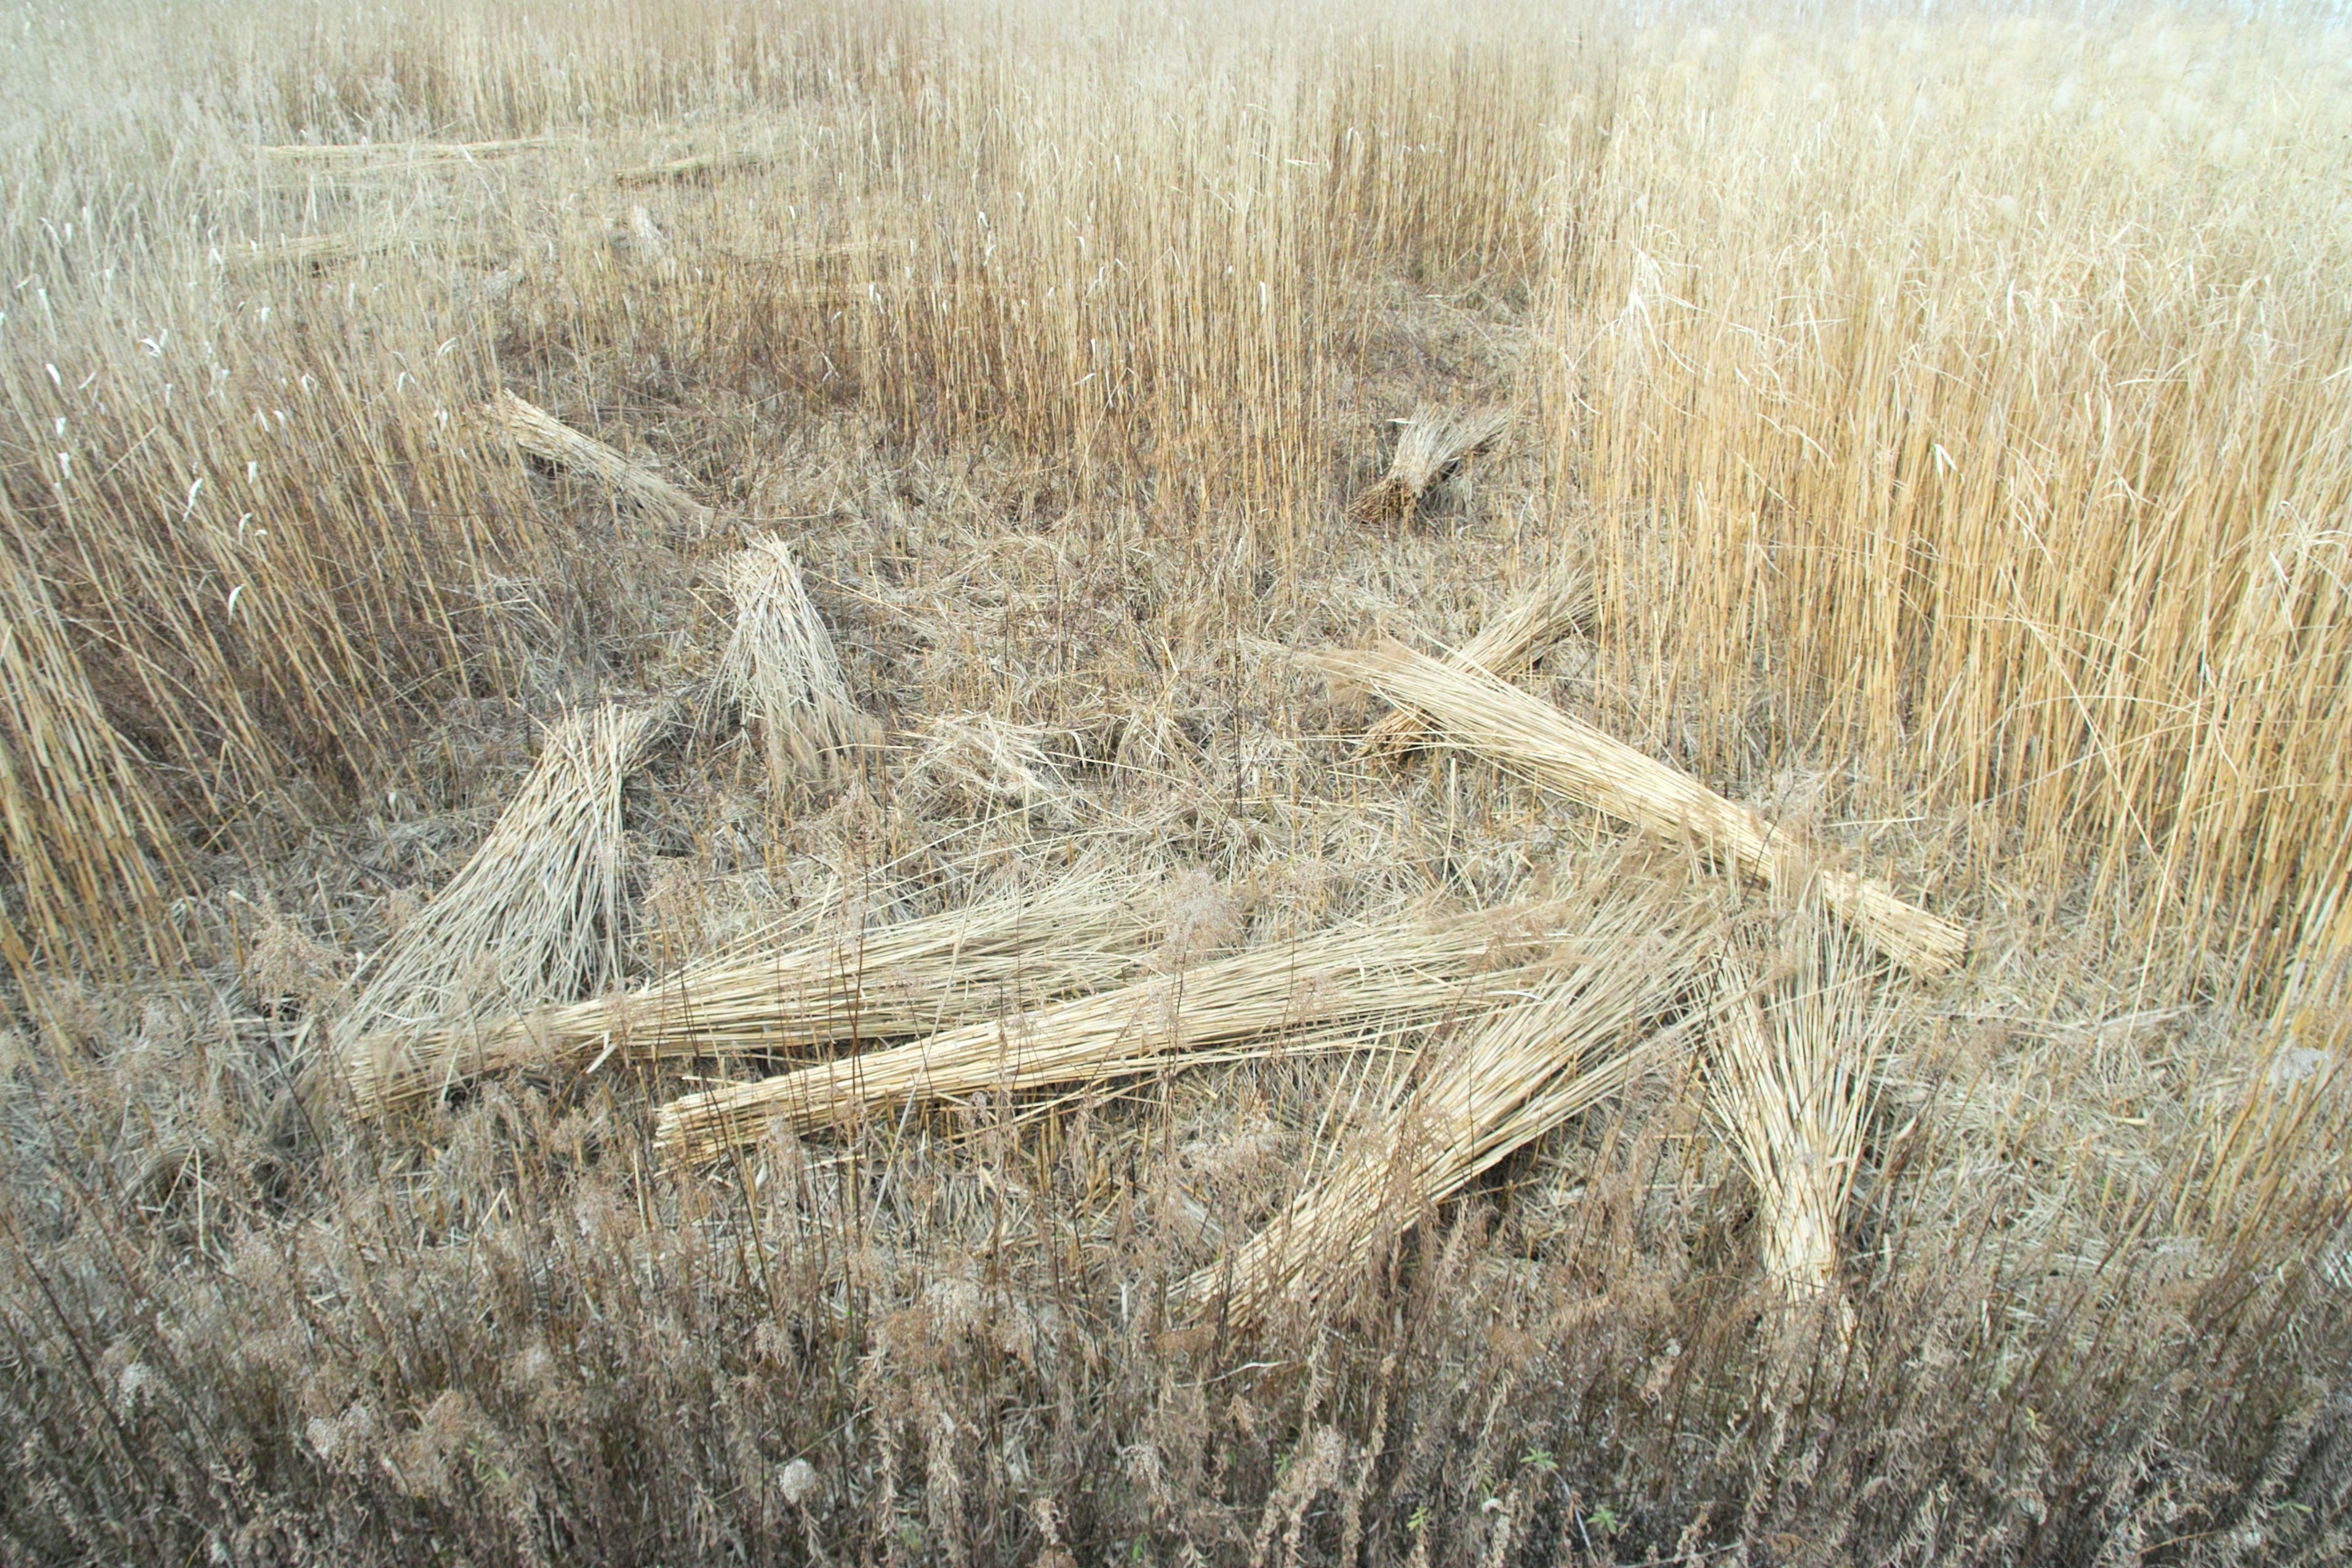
1431	447
1791	1081
1469	708
781	667
1510	640
702	168
534	914
536	431
1574	1032
1005	954
1414	967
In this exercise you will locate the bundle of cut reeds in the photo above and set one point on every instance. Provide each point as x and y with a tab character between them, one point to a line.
1469	708
703	167
313	251
1575	1035
1419	968
535	914
399	152
541	433
1003	954
1791	1081
1431	447
781	666
1560	603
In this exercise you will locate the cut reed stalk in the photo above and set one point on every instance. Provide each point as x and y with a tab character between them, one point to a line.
1469	708
1504	646
781	666
541	433
1792	1080
535	914
1575	1037
1418	968
1432	446
1003	954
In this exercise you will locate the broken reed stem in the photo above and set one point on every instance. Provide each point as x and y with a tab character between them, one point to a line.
1791	1081
1561	602
781	667
1469	708
1419	968
1431	447
1573	1039
534	914
541	433
999	955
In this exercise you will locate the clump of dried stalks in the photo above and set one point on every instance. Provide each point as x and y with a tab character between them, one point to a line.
1791	1080
1432	446
1389	970
1560	603
1469	708
534	914
781	667
1001	954
541	433
1575	1035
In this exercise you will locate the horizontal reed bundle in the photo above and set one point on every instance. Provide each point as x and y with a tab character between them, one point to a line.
781	666
1432	446
1420	968
1575	1038
400	152
1561	602
535	914
706	167
313	251
543	436
1469	708
1002	954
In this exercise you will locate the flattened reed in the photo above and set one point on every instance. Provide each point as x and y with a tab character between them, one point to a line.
1468	707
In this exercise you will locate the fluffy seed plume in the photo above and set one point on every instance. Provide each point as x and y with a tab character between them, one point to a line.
1791	1081
1539	616
1466	707
1576	1035
1432	446
533	915
1006	953
543	436
1391	970
779	665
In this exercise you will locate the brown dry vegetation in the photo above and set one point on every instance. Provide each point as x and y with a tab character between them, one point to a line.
1943	425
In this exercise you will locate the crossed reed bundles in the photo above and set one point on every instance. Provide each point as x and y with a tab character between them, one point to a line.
1469	708
543	436
1582	1028
534	914
781	666
1001	954
1390	970
1559	603
1432	446
1791	1081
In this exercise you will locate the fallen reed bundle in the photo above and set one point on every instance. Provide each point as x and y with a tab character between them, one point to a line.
1469	708
1432	446
1419	968
1003	954
703	167
314	252
399	152
534	914
1575	1037
1791	1081
779	665
1562	602
542	434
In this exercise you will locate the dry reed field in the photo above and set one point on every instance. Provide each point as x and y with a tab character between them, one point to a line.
1175	783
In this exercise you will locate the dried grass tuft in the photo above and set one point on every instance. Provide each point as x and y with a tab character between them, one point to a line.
1388	970
781	666
1575	1037
1511	640
543	436
533	915
1469	708
1432	446
1001	954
